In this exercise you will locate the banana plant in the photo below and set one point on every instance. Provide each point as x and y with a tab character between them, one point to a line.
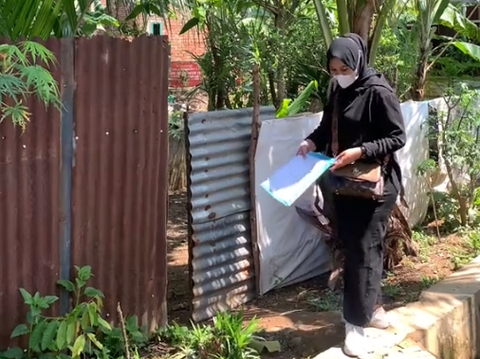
430	13
355	16
453	18
289	108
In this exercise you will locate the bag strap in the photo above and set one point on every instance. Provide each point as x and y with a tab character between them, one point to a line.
334	123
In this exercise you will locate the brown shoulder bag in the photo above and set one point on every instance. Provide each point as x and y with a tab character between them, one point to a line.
359	179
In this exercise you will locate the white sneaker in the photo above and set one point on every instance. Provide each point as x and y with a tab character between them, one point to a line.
355	341
379	319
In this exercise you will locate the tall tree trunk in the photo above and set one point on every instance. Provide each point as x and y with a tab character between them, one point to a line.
220	93
363	19
417	92
280	80
271	83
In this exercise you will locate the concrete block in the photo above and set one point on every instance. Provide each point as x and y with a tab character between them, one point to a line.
443	324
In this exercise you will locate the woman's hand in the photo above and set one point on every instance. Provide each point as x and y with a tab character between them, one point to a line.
347	157
305	147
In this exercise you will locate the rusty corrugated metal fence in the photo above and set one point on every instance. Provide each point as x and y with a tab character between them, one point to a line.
88	186
221	260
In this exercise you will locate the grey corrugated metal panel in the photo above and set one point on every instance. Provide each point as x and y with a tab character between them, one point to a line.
218	145
221	262
120	174
223	275
29	216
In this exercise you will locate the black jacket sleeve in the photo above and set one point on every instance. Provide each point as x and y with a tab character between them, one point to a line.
321	135
387	120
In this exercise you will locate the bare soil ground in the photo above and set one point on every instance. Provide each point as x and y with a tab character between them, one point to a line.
178	297
305	318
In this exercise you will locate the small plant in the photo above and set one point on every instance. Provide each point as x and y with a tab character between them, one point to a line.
228	338
392	290
80	333
428	281
459	142
425	241
175	125
427	169
328	302
473	242
469	250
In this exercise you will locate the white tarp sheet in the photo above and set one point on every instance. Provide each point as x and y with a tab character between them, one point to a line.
411	157
292	250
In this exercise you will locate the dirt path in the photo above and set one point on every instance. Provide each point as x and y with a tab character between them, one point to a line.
178	297
305	318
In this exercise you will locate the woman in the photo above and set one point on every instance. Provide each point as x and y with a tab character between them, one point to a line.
369	127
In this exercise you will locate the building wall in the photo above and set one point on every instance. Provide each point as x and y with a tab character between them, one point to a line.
184	71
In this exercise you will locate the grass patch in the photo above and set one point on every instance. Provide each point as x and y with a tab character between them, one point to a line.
425	242
328	302
227	338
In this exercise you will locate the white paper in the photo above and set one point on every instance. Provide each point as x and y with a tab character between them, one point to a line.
289	182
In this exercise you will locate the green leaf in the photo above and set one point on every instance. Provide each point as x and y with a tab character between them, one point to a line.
36	336
468	49
62	335
20	330
12	353
68	285
299	104
93	314
41	303
95	341
70	332
439	7
454	19
84	321
78	346
50	299
135	12
131	323
49	336
84	273
283	109
104	324
194	21
27	297
93	293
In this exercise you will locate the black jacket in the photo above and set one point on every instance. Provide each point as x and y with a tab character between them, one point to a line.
369	115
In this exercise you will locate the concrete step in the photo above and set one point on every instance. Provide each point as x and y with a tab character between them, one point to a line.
407	349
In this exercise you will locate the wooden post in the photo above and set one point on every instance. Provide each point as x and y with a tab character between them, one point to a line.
251	158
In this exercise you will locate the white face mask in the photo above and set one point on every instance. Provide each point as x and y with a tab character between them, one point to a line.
346	80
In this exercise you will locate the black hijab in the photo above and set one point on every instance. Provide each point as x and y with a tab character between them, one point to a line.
353	52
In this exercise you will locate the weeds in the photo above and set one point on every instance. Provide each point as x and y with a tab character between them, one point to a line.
329	301
427	281
228	338
392	290
84	333
425	241
80	333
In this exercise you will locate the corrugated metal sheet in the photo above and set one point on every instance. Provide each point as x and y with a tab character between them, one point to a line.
221	263
120	173
29	216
